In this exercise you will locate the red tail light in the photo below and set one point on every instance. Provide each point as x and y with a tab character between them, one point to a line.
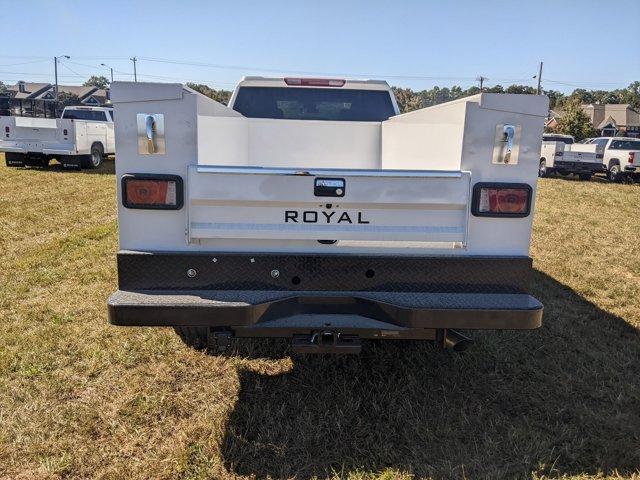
501	200
314	82
158	192
632	156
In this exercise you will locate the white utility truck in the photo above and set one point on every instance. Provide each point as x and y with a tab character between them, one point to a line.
560	153
80	138
310	209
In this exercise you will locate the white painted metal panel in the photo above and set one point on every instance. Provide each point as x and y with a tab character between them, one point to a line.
223	141
34	122
421	146
288	143
253	204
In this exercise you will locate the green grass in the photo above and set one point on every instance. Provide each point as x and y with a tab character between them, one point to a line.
82	399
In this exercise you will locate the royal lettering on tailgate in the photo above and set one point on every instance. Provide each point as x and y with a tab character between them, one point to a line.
311	216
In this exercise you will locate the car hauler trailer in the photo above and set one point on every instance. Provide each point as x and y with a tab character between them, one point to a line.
310	209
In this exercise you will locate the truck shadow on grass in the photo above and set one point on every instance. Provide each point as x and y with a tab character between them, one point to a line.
564	399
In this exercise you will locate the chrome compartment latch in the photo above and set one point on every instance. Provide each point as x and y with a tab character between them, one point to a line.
507	144
151	134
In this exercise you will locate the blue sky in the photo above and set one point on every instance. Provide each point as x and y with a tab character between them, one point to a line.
417	44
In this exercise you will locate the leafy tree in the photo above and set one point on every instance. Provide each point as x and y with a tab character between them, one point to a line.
631	95
556	99
407	99
575	121
3	89
66	99
97	81
521	89
495	89
221	96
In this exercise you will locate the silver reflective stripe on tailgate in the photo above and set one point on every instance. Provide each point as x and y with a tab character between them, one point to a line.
256	203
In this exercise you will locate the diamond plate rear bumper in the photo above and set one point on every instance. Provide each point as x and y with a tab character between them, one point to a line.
278	295
283	313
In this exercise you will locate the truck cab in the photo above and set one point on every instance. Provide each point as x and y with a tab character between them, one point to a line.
314	99
621	156
310	209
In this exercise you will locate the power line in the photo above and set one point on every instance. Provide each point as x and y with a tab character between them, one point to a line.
69	68
303	72
23	63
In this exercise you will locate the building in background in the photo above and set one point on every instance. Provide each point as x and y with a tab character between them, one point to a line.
38	99
614	119
609	120
552	119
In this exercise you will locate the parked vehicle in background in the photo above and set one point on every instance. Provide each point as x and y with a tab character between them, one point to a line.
621	156
560	153
81	138
310	209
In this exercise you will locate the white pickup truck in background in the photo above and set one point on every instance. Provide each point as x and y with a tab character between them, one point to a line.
81	138
621	156
560	153
310	209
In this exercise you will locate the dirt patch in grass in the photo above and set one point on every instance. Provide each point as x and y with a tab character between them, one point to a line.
82	399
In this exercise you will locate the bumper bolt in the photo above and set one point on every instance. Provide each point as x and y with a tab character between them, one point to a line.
275	273
191	273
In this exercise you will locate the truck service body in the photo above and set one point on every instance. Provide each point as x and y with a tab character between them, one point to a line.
81	137
311	209
560	153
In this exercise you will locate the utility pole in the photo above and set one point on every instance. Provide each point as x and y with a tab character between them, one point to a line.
481	79
135	73
107	66
55	72
539	78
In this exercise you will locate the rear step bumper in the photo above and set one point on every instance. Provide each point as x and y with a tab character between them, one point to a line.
287	313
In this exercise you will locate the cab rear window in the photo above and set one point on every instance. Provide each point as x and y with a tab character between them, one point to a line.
556	138
314	104
625	145
96	116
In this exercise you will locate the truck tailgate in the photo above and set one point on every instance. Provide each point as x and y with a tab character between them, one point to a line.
583	157
365	205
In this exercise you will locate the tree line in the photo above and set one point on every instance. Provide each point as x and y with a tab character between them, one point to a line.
409	99
574	120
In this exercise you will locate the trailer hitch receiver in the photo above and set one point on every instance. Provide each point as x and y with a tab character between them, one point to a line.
326	342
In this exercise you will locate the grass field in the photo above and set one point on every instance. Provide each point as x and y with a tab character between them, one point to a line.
82	399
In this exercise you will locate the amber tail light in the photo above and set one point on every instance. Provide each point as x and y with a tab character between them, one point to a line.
149	191
501	200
